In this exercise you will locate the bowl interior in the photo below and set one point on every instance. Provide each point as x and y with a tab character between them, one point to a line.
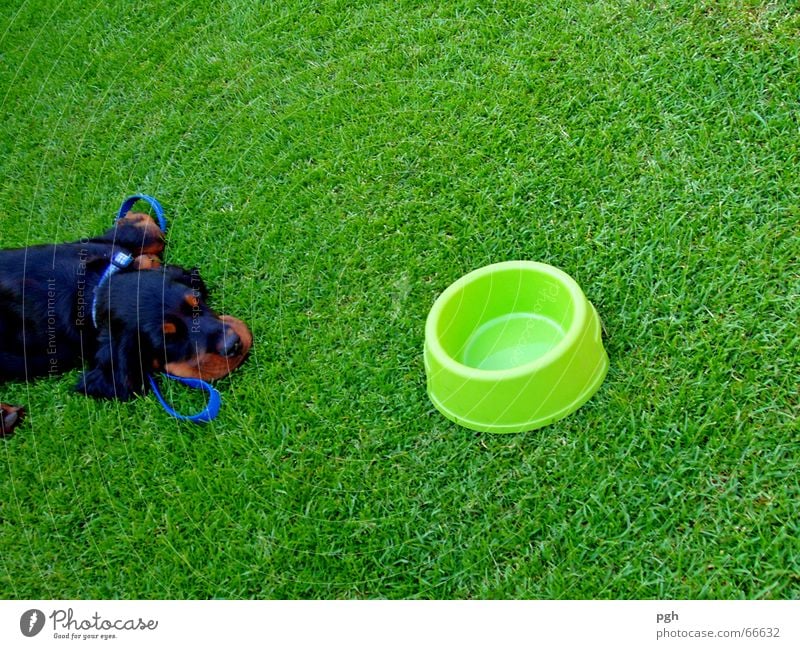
505	319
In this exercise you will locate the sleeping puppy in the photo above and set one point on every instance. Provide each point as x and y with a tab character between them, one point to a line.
106	302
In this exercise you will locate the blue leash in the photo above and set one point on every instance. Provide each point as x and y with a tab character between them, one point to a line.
214	403
206	414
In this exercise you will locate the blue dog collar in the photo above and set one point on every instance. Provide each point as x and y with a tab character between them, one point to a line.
122	260
119	260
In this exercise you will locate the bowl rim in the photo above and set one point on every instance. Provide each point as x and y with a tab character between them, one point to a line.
579	302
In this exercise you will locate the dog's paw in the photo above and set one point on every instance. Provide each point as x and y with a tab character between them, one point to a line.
146	262
10	418
139	232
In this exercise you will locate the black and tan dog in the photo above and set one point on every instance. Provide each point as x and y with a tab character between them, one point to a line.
60	308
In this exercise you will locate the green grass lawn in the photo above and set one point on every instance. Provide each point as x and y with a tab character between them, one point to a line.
332	167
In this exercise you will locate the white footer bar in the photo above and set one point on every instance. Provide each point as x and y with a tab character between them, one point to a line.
386	624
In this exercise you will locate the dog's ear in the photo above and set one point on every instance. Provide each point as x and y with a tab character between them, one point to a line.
118	371
136	232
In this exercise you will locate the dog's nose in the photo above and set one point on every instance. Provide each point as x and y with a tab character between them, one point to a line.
231	344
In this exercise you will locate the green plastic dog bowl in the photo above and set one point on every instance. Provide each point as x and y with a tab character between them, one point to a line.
513	347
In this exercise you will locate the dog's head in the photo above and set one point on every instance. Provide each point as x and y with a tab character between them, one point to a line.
158	320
